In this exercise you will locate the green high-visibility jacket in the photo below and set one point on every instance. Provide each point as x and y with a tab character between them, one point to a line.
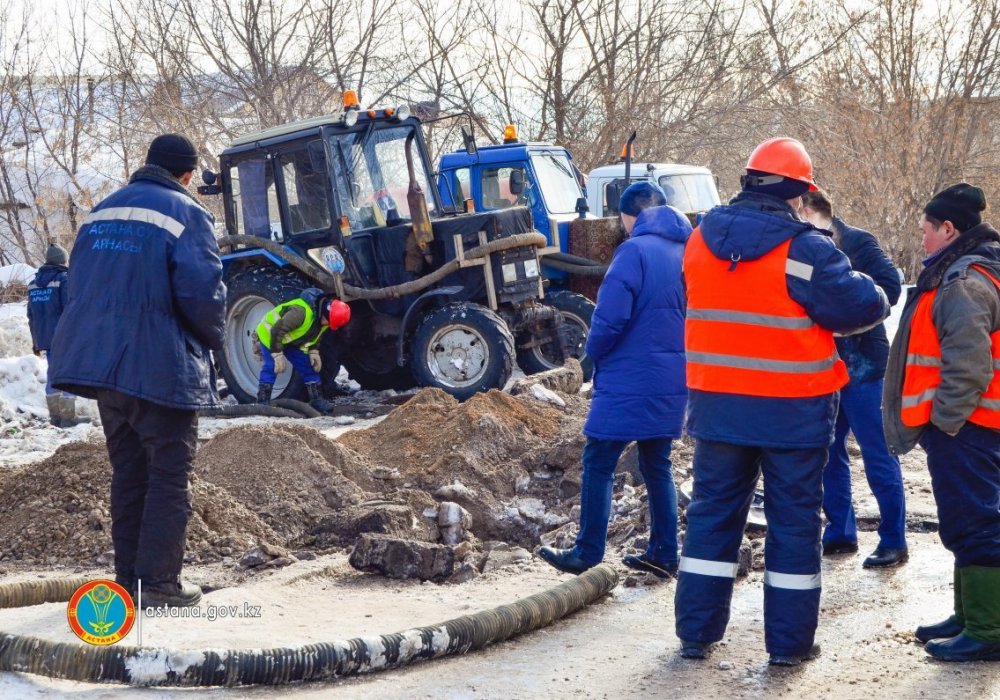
292	323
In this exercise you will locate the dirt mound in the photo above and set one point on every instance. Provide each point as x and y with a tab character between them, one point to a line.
433	440
57	512
275	472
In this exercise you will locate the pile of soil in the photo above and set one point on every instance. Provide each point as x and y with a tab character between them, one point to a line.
276	472
57	512
434	440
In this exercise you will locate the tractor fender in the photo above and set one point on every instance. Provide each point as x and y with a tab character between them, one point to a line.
418	303
244	255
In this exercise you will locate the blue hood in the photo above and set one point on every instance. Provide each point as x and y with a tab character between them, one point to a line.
665	222
751	226
47	273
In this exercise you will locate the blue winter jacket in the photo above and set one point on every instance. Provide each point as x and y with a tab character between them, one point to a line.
146	298
47	298
637	334
832	294
865	354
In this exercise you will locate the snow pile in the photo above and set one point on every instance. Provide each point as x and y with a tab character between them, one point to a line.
18	273
15	336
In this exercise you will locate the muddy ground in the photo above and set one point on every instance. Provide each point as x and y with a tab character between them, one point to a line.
281	491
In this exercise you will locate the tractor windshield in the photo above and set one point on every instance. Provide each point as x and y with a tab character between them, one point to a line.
371	177
557	182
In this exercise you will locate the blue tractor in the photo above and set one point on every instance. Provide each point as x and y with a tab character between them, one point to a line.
543	178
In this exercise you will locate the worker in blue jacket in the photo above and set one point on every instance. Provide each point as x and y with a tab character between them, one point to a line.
636	341
860	412
146	307
47	297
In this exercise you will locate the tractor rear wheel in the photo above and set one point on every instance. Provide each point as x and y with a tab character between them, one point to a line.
577	312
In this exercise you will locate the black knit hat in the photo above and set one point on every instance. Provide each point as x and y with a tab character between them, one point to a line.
961	204
173	152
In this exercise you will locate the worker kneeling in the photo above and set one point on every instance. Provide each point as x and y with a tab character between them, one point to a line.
291	333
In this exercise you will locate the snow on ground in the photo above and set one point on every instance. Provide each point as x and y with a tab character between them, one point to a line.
25	432
18	272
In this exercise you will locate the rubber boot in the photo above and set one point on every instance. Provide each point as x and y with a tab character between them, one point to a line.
980	641
316	399
55	410
953	626
264	393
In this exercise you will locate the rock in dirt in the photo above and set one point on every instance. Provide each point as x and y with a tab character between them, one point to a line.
501	555
566	380
378	517
399	558
453	520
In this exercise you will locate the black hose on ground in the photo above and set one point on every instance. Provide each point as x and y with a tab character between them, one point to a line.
163	667
327	280
300	407
251	409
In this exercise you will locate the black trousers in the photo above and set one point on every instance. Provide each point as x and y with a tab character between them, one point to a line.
152	449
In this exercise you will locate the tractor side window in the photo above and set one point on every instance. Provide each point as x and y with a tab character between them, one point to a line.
305	178
463	185
255	201
498	192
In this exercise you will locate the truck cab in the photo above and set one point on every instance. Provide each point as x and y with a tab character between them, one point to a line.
689	188
539	176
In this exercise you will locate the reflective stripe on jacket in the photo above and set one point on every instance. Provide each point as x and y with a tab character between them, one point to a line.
922	374
306	335
744	333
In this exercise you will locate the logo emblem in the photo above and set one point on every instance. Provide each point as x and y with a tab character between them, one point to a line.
101	612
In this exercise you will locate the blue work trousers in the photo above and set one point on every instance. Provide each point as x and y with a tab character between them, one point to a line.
861	414
965	477
725	476
296	358
600	457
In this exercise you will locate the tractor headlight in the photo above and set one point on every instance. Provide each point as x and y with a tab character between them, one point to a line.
329	258
349	118
531	268
402	113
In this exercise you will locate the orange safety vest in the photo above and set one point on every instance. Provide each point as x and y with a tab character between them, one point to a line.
923	369
744	334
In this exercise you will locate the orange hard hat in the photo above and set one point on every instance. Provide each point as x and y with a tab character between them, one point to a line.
339	314
783	156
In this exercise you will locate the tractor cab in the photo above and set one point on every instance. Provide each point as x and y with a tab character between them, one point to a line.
514	173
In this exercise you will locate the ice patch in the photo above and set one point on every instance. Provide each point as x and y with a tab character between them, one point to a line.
542	393
150	667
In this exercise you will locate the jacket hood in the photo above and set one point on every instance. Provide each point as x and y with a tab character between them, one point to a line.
665	222
750	226
311	296
47	273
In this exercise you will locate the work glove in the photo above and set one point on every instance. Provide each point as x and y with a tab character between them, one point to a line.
315	360
280	363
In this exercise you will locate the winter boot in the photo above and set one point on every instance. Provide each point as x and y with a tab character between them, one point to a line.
170	594
980	640
264	393
68	405
953	626
316	398
55	410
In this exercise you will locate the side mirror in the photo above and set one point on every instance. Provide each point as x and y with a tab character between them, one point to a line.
516	183
469	141
582	207
613	194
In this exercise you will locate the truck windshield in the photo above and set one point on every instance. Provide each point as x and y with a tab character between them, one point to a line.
691	192
556	181
371	178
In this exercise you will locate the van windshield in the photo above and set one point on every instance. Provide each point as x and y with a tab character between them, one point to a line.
692	192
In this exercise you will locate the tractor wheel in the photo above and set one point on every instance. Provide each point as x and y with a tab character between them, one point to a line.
462	348
251	295
577	312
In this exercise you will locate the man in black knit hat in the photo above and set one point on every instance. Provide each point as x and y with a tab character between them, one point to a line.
146	307
942	390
